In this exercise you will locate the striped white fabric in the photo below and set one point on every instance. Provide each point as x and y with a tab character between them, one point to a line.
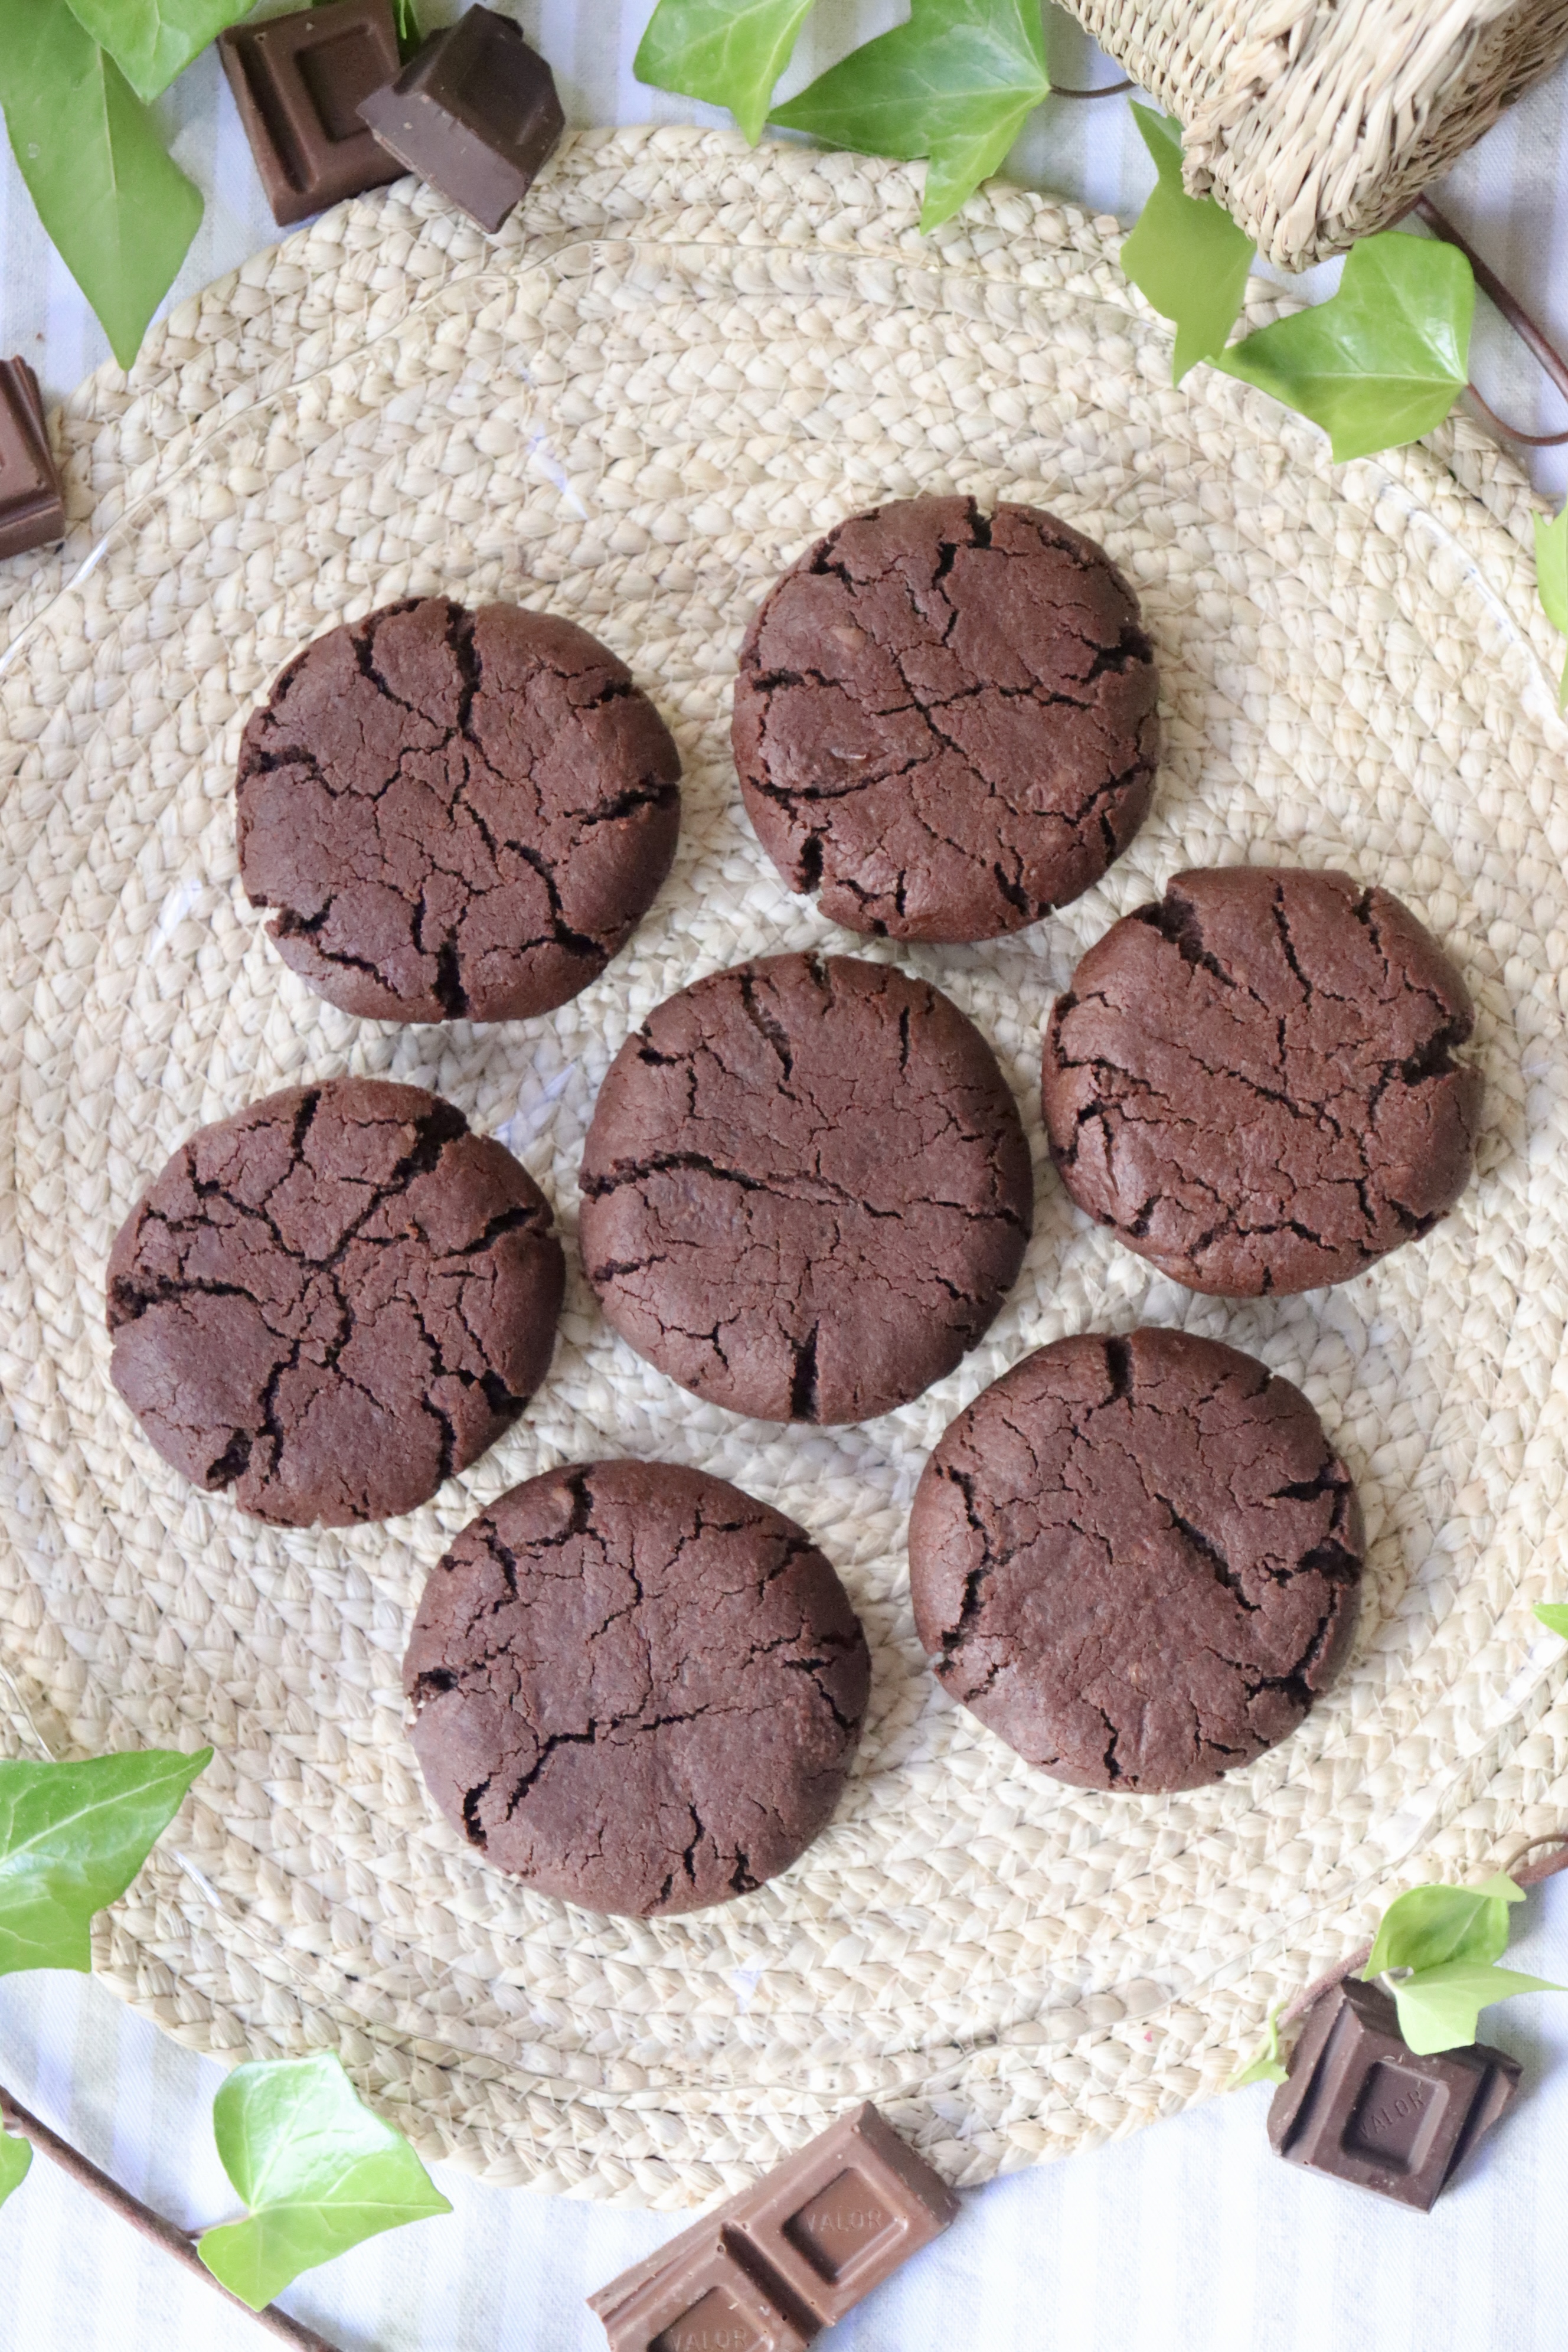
1510	195
1189	2236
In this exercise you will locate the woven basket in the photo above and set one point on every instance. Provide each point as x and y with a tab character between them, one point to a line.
1316	122
636	413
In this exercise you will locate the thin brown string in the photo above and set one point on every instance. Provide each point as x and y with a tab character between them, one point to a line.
150	2225
1106	89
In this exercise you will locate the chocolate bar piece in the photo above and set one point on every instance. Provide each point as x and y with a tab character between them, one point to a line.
32	501
476	115
810	2240
298	82
706	2300
846	2212
1361	2105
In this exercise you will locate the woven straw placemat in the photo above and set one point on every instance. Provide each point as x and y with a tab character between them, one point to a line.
679	363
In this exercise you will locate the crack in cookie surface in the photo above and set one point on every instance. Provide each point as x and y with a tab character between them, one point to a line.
332	1301
1253	1081
806	1189
1138	1560
635	1687
945	722
455	814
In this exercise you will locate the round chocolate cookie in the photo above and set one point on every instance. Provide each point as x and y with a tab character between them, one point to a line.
334	1301
945	720
1253	1083
457	815
635	1687
805	1190
1138	1560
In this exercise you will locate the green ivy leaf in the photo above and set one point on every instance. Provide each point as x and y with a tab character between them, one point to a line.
956	83
1432	1925
317	2170
405	23
121	214
1553	1614
16	2155
730	52
72	1838
1439	2008
1384	359
1552	579
1268	2066
152	40
1185	253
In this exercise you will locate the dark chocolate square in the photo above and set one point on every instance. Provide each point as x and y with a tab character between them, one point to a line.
32	501
476	115
299	82
1361	2106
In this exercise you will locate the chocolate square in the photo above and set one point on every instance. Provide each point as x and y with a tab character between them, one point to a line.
1361	2106
32	499
845	2213
299	82
476	115
705	2301
812	2238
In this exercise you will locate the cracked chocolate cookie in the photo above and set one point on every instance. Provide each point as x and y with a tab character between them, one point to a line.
634	1687
457	815
1138	1560
806	1189
1253	1082
944	722
334	1301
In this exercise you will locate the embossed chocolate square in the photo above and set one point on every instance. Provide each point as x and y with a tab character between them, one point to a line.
1361	2106
843	2215
791	2255
298	82
32	503
476	115
706	2300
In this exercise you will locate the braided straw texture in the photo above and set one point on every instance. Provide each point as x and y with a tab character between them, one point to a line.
683	362
1316	122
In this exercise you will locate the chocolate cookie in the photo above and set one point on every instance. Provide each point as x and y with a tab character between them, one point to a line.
945	720
1138	1560
334	1301
805	1190
457	815
635	1687
1253	1083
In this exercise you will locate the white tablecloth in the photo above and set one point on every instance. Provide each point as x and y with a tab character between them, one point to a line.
1189	2238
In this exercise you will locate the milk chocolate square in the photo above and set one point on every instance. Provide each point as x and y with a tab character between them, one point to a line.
1361	2106
476	115
707	2300
32	501
298	82
835	2221
813	2238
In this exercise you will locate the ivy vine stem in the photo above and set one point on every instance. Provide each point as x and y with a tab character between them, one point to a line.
16	2118
1550	358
